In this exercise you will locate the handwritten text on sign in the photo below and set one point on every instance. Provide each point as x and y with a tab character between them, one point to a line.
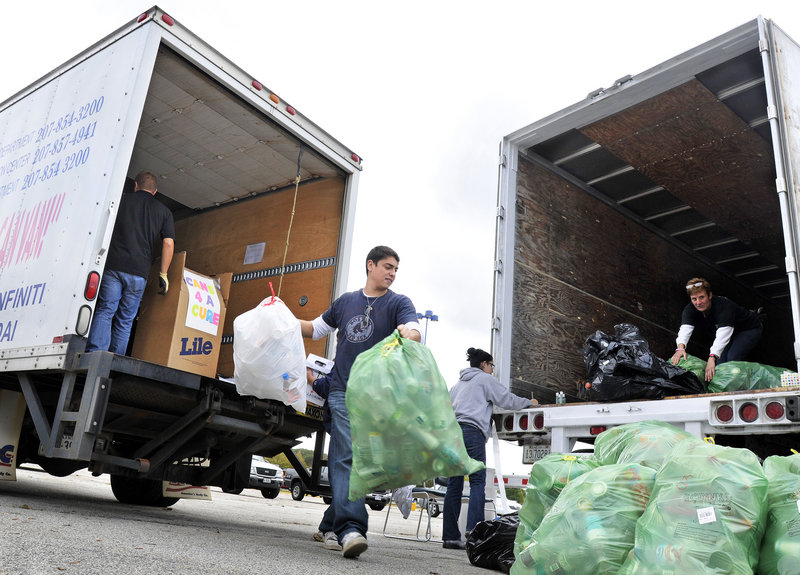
204	306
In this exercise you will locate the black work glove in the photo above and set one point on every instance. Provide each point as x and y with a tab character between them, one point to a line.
163	284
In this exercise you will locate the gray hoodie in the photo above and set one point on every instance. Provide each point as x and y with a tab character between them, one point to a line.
475	394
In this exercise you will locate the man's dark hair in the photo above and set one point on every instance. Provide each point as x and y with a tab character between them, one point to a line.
379	253
147	181
477	356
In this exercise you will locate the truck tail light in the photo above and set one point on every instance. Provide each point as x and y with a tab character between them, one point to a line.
597	429
792	408
508	423
774	410
83	322
748	412
538	421
523	422
92	283
724	413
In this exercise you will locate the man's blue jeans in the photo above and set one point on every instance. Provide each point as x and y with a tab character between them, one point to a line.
475	443
117	304
347	515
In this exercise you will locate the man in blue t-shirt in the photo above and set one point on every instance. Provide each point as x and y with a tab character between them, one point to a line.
363	318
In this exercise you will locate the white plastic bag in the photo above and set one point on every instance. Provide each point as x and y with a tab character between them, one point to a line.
268	354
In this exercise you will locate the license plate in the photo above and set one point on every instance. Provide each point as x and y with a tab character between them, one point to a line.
533	453
314	412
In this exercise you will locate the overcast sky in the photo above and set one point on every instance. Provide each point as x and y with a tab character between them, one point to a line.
423	92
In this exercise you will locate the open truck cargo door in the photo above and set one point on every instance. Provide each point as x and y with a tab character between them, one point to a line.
783	98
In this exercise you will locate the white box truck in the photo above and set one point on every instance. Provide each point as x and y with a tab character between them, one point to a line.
606	208
256	189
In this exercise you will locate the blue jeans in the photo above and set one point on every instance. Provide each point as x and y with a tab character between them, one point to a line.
348	515
475	443
117	304
741	345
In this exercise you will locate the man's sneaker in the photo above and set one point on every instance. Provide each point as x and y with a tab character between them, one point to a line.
353	544
454	544
331	541
319	536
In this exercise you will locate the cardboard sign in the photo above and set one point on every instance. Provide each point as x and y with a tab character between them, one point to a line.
203	311
185	491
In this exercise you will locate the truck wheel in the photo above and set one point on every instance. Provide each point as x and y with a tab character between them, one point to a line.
270	493
327	500
376	505
433	508
298	491
60	467
134	491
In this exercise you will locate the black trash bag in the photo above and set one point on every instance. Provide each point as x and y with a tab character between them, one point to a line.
622	367
491	543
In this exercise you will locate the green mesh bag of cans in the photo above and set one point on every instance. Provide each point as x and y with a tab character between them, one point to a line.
735	375
548	477
402	424
590	528
645	442
780	548
706	514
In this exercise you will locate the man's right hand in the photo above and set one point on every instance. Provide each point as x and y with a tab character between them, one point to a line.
163	284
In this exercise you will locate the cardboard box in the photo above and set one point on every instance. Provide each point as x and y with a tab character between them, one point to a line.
183	329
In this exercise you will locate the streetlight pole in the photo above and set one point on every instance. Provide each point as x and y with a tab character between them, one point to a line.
428	315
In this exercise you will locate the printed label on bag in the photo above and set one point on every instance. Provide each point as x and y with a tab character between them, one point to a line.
706	515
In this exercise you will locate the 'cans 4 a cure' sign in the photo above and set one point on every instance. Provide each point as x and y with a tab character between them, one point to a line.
202	313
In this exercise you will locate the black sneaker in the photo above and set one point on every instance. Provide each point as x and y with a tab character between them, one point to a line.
454	544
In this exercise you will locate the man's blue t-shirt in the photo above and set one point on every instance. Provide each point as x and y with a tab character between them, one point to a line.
348	314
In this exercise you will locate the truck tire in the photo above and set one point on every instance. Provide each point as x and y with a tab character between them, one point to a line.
376	505
134	491
298	491
433	508
327	500
60	467
270	493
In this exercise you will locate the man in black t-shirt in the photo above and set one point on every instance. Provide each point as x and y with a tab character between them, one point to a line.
142	221
736	330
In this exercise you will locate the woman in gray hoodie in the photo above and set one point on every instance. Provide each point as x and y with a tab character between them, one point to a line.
473	397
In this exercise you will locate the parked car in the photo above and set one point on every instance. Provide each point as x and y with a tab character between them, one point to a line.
264	476
298	489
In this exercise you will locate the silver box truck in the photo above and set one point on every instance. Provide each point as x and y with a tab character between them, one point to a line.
606	208
257	190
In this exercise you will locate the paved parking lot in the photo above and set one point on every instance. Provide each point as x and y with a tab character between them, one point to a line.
73	525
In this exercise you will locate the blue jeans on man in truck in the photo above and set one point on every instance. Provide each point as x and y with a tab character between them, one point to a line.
117	304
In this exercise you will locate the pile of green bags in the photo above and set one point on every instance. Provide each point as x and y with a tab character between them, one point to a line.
780	548
645	442
735	375
548	478
655	500
590	528
402	424
706	514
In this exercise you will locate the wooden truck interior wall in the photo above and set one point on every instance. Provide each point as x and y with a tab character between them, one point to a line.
215	242
679	160
227	172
